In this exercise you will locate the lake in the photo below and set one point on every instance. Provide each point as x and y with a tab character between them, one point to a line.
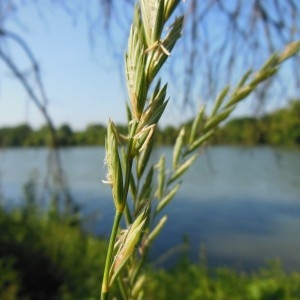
243	204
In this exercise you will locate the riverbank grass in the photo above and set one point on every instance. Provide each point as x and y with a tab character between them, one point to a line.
48	258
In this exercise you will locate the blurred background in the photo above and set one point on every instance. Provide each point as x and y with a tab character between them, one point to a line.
62	78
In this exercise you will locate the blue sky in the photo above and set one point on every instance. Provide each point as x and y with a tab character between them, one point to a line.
82	87
84	83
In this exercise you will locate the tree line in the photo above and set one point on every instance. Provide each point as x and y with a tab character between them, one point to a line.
281	127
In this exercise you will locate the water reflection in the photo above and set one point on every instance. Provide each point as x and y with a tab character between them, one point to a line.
243	232
244	205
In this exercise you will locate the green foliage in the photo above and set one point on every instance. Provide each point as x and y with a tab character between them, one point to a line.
15	136
9	279
23	135
240	131
188	281
65	135
279	128
44	257
284	125
129	170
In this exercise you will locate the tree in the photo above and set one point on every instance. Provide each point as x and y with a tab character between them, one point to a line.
65	135
17	136
284	125
95	134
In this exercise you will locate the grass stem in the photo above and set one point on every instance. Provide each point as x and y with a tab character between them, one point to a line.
105	283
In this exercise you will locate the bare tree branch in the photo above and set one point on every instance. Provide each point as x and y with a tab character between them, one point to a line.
40	100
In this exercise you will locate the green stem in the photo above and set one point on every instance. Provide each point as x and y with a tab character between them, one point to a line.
129	162
109	256
105	283
141	262
128	216
125	190
122	289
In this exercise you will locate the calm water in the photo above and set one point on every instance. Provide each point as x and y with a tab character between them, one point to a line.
242	204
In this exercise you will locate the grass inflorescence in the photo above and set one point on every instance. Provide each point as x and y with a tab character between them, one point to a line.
151	186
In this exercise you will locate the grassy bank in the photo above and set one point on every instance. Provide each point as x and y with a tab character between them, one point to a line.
44	256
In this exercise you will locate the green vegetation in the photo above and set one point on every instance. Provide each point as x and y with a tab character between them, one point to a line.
188	281
282	127
279	128
58	246
43	256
